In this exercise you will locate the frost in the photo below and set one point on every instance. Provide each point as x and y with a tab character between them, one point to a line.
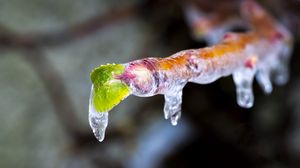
98	120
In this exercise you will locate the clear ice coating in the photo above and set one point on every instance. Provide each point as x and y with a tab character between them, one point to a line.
98	120
262	61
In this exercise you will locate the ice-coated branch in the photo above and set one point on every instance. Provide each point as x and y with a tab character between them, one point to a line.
257	53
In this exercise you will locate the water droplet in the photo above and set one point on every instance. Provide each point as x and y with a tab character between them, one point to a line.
98	120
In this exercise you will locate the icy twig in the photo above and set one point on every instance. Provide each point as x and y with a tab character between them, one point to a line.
244	55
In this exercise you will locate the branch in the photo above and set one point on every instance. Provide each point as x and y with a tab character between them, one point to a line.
30	44
53	82
68	34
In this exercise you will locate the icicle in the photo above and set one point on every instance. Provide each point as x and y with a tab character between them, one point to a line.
173	100
281	73
172	108
243	79
98	123
281	63
98	120
263	79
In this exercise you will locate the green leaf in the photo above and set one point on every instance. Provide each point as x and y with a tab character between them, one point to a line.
108	91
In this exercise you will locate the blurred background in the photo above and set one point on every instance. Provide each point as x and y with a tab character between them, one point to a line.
49	47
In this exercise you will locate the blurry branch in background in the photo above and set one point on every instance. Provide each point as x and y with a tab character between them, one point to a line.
56	89
210	24
30	45
68	34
